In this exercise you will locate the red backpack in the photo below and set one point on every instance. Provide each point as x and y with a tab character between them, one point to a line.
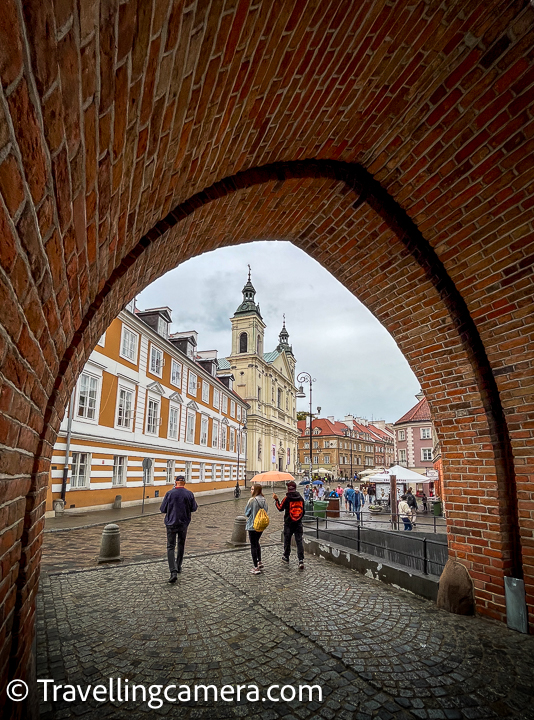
296	510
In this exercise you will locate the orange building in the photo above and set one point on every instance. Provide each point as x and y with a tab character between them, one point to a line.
145	394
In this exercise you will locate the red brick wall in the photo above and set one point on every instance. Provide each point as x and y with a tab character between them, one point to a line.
110	118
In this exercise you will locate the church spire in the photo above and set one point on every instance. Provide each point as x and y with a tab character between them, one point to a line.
249	304
283	338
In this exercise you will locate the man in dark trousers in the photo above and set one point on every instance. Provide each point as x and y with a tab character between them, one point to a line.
178	504
293	507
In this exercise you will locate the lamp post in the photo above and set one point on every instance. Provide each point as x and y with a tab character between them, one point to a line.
302	378
348	433
241	429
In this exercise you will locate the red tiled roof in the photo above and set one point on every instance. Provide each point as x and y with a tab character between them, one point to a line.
325	426
419	413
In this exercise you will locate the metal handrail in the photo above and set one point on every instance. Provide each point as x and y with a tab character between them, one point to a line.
424	542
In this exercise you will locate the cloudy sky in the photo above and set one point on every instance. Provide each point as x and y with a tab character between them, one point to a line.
357	365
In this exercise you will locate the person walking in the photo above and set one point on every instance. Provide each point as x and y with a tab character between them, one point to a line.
306	493
405	513
358	503
412	502
349	494
425	502
293	508
178	504
253	506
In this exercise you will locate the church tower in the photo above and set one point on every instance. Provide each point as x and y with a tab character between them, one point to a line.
247	324
285	347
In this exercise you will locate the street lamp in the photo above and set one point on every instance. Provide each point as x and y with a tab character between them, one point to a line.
302	378
348	433
242	429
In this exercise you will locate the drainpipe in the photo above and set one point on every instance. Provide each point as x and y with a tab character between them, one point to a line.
67	449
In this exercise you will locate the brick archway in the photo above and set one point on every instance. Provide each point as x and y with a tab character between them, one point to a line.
435	105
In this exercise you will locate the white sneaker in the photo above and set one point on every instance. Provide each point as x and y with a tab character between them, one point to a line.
255	571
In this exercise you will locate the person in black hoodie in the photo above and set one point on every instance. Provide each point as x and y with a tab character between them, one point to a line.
293	507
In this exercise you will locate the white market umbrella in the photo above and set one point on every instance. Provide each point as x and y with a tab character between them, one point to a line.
401	473
323	471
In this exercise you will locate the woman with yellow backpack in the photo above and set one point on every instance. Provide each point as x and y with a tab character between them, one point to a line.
258	520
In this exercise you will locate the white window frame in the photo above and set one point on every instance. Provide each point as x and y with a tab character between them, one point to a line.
176	370
97	379
232	408
402	456
238	411
426	433
135	339
224	436
75	465
215	434
172	410
190	428
192	384
216	398
204	425
157	418
232	440
429	452
188	470
225	404
401	436
205	391
131	391
156	368
327	459
170	471
118	478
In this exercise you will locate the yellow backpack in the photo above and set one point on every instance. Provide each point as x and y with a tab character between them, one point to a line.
261	521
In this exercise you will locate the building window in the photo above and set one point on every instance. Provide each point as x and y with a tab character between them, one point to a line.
205	391
213	472
129	340
239	412
258	344
80	466
306	445
215	434
204	430
307	459
170	471
124	408
426	454
216	398
315	445
259	394
327	458
223	437
232	440
87	394
150	473
402	456
152	417
174	414
280	397
425	433
188	466
402	435
190	430
119	470
243	342
202	472
287	402
232	409
225	404
192	386
316	459
156	360
176	373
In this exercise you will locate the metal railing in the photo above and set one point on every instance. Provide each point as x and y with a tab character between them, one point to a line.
395	525
423	542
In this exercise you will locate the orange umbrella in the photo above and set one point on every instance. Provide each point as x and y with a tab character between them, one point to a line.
272	476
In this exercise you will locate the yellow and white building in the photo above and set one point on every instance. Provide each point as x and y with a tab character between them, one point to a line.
145	394
267	382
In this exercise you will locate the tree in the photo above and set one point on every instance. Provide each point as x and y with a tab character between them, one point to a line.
302	415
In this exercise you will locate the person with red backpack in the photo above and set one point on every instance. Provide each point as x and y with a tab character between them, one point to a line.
293	507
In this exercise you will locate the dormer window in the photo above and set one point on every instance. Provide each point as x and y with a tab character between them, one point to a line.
163	327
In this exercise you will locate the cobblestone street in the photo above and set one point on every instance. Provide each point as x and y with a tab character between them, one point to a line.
375	651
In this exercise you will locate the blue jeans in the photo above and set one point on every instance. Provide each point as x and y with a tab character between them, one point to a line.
176	532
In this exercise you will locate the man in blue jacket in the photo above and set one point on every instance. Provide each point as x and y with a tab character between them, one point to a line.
178	504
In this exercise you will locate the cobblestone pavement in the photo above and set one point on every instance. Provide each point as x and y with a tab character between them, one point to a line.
376	652
145	538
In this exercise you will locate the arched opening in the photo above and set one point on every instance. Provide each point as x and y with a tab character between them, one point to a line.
243	342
